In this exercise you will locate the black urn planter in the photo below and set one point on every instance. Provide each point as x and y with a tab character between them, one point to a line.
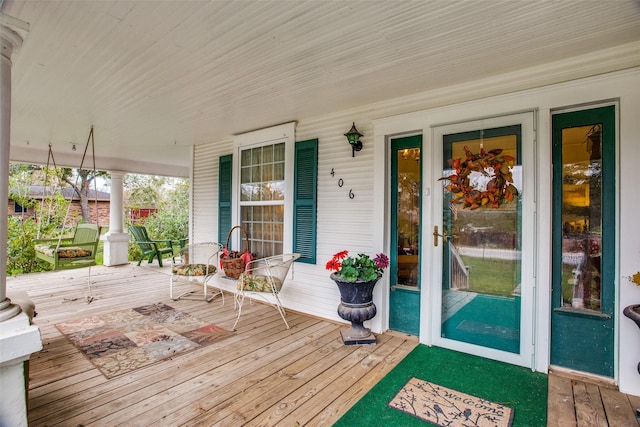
633	313
356	306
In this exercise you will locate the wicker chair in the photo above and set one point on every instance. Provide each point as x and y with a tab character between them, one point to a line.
264	278
197	262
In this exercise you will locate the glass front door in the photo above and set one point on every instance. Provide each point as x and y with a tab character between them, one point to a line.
481	262
483	289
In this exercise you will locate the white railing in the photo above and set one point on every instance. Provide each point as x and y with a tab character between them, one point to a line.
459	274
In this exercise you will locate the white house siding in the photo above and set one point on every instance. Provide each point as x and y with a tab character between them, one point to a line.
204	191
357	224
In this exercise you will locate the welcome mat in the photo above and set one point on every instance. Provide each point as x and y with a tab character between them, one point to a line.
125	340
445	407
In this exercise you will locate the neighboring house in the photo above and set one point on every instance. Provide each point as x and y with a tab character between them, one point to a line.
97	200
138	215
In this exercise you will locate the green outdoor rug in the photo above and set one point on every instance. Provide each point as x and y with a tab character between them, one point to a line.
512	386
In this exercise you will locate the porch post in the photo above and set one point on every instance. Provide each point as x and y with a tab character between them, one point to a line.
18	337
116	241
9	40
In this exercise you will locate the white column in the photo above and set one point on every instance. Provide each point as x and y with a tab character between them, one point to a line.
18	338
9	40
116	241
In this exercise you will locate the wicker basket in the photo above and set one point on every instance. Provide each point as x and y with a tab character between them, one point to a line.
233	265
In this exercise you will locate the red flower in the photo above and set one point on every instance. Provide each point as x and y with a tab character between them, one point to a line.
341	255
334	264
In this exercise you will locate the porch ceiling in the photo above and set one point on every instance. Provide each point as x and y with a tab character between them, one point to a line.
154	78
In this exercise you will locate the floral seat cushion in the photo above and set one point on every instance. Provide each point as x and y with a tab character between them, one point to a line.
67	252
193	269
258	283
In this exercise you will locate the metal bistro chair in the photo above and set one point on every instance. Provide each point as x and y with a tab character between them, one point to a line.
196	262
262	277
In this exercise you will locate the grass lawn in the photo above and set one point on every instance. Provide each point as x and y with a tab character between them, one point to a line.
492	276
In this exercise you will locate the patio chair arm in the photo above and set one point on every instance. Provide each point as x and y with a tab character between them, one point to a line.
266	264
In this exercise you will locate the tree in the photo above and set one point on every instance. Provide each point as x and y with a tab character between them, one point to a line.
143	191
81	180
171	221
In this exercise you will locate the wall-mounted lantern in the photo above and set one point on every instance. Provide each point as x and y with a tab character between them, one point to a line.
353	136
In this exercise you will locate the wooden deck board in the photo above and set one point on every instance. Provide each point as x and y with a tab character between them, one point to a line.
561	406
262	375
618	408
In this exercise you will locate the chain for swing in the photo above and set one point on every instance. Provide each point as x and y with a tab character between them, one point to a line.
51	159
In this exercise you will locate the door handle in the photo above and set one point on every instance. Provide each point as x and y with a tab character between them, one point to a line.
445	236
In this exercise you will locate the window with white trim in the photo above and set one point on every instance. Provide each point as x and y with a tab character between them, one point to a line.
269	185
262	197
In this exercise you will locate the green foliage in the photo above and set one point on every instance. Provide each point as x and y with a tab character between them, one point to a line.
20	252
19	180
362	267
144	191
171	198
171	221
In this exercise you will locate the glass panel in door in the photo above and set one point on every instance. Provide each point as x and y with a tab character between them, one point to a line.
584	216
481	281
406	170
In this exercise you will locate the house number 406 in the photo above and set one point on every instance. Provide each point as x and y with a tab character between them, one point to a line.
341	183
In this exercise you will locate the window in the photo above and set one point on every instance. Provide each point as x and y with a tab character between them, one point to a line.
18	208
262	197
269	188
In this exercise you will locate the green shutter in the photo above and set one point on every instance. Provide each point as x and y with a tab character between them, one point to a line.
225	170
304	200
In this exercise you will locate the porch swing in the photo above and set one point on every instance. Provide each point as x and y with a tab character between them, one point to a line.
80	250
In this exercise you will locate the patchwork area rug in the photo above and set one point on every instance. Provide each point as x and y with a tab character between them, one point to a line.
125	340
445	407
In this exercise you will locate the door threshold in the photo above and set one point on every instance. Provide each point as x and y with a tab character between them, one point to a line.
401	335
586	377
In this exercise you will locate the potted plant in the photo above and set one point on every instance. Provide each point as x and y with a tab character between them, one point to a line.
356	277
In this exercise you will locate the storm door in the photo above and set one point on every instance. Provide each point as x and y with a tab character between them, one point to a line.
478	240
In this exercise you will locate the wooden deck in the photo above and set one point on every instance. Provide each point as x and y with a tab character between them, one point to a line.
578	402
264	375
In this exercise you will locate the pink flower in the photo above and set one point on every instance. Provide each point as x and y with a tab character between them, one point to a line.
381	260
